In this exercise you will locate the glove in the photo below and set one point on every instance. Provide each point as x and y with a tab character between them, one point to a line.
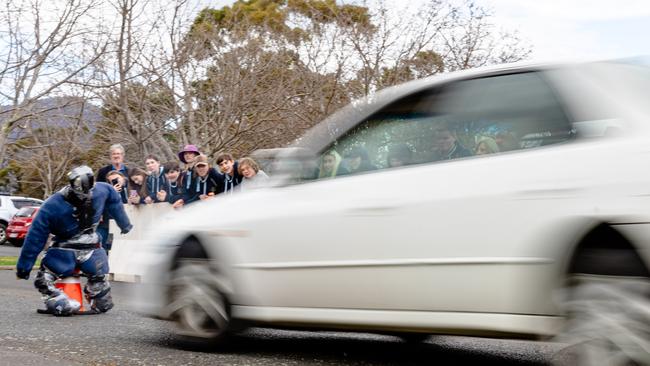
22	274
126	230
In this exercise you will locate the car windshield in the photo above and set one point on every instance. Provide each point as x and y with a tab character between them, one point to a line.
25	212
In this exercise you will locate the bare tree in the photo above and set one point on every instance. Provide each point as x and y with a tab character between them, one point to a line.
47	48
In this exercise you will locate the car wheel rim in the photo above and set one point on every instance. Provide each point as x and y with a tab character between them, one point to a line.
3	235
197	302
608	321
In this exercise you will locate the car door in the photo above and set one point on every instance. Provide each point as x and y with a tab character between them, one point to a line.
432	226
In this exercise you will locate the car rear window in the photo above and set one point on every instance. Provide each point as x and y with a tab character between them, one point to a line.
20	203
25	212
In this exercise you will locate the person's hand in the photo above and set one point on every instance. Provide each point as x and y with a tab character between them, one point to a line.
161	195
148	200
22	274
178	203
204	197
118	187
134	199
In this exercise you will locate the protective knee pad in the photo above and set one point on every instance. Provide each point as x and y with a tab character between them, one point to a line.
61	305
98	294
44	283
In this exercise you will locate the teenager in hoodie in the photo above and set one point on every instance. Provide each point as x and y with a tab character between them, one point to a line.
205	181
155	180
230	171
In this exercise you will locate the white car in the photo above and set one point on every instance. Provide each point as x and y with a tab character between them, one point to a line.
428	237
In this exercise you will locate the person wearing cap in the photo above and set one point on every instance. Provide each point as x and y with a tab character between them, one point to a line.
72	215
187	157
205	181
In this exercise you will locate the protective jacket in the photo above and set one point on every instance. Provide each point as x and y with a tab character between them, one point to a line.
56	216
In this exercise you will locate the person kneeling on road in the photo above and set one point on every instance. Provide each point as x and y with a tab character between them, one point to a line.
72	215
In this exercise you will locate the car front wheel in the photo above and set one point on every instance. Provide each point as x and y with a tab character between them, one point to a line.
197	302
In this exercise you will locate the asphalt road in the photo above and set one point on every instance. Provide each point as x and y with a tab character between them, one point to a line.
8	250
121	337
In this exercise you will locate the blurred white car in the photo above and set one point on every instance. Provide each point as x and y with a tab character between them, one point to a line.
553	224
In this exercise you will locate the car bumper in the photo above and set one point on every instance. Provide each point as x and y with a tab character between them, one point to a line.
16	234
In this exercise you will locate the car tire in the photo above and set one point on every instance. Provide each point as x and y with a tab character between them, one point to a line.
16	242
608	321
198	304
3	233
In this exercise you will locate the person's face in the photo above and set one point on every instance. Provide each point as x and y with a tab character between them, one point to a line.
395	162
202	170
444	141
226	166
172	176
354	163
152	165
189	157
247	171
328	163
482	149
117	157
137	179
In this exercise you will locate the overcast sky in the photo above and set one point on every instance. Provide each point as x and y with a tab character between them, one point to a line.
578	28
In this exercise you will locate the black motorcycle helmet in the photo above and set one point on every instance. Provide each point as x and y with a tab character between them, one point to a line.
81	179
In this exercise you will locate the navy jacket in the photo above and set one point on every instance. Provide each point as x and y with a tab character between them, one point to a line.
155	183
174	190
56	217
203	186
228	183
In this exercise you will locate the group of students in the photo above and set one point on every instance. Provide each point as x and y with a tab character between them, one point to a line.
178	186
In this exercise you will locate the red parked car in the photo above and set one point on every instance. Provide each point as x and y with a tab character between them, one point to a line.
19	225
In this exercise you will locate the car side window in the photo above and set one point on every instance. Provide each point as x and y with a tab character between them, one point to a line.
465	118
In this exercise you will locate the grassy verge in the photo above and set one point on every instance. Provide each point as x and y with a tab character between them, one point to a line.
11	261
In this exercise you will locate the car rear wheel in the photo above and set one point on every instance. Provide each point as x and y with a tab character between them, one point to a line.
608	321
3	233
197	301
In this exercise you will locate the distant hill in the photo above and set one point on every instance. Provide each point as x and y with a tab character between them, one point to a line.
59	112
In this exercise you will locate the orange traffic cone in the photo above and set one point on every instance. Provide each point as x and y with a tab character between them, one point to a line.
72	288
